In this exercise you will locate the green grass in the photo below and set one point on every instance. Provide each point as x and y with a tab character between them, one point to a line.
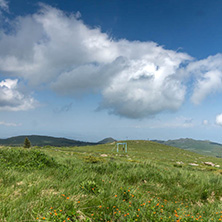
77	184
203	147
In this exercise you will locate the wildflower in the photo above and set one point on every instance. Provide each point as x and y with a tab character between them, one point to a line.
51	208
37	218
138	209
67	198
154	212
100	206
56	214
127	213
114	212
107	208
60	210
137	215
92	214
124	215
68	219
157	204
115	195
78	202
43	218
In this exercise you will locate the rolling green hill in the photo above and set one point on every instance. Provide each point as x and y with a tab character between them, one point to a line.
151	182
37	140
205	147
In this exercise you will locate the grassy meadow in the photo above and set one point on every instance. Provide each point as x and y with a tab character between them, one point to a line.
152	182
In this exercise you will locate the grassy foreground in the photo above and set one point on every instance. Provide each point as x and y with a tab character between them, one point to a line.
151	182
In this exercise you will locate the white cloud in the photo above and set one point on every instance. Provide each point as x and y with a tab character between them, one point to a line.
219	119
136	79
179	122
3	5
205	122
209	77
9	124
146	86
11	99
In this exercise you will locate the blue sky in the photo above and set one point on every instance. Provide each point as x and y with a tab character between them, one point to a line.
92	69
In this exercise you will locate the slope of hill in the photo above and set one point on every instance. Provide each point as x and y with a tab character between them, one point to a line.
37	140
205	147
107	140
151	182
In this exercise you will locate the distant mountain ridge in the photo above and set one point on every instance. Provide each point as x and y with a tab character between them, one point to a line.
199	146
107	140
37	140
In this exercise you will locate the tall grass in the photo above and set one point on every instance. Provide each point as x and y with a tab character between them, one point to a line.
77	184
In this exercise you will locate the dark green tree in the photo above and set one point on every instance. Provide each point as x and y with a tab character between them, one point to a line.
27	143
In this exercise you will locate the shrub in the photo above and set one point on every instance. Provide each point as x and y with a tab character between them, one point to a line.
27	143
25	159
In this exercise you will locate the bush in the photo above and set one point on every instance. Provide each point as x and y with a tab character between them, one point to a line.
25	159
93	159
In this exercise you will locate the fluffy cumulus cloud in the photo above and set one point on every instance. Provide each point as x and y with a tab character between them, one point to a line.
136	79
144	87
208	74
11	99
219	119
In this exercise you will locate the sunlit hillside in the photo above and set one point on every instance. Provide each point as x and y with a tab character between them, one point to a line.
151	182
